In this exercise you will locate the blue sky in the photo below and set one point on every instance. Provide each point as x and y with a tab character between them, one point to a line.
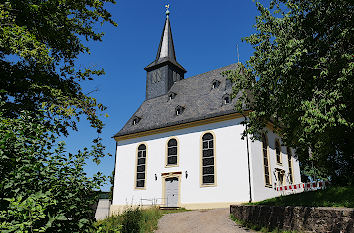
205	35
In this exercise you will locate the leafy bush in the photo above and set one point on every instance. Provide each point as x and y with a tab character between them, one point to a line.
131	219
42	189
109	225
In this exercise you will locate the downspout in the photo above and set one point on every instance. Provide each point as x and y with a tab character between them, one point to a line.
248	161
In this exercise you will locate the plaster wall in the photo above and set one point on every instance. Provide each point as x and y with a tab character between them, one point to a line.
232	185
231	166
259	190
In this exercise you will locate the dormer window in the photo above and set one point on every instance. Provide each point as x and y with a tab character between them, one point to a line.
179	110
226	99
215	84
171	95
136	120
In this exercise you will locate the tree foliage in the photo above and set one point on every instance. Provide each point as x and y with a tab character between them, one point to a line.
40	41
42	187
300	78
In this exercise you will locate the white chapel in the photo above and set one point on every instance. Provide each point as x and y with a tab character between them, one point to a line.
183	146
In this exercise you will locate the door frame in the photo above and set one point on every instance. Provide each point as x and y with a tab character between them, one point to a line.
171	175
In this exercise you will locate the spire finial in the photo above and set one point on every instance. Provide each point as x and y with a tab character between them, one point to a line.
167	10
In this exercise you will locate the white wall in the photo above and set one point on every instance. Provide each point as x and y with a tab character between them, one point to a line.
259	190
231	165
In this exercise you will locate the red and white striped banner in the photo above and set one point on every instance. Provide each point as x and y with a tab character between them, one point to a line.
305	186
289	187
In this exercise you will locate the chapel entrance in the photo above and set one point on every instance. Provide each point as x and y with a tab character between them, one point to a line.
171	192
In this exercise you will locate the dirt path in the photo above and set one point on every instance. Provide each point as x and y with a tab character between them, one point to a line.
199	221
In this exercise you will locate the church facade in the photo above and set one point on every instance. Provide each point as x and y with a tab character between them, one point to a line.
183	146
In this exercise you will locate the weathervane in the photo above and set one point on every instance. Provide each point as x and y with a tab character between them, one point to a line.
167	9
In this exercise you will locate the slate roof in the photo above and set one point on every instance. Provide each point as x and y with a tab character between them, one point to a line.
194	94
166	52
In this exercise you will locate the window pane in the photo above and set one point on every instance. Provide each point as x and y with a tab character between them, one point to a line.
208	161
140	153
142	147
172	142
209	179
205	145
140	175
207	136
265	161
172	151
277	151
144	153
267	179
266	172
141	161
211	144
172	160
208	170
141	168
140	183
208	153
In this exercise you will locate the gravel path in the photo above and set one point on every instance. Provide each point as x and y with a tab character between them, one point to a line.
199	221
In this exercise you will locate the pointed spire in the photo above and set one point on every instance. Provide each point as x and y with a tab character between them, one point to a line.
166	47
166	52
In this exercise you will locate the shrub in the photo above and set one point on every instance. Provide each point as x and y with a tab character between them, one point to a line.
131	219
109	225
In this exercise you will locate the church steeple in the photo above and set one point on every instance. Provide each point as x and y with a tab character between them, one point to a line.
166	48
165	70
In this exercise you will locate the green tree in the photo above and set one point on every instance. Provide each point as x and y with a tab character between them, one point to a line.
43	188
40	41
300	78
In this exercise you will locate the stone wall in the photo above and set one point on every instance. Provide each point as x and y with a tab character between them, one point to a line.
102	210
303	219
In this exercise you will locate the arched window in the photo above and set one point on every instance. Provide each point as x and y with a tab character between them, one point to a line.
266	160
277	151
141	166
208	159
290	162
172	153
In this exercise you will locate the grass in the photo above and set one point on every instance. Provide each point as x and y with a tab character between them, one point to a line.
146	222
330	197
256	227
